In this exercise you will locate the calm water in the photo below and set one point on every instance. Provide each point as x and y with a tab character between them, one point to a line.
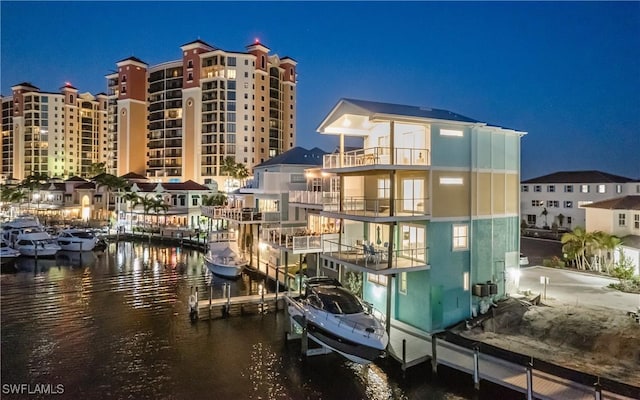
115	325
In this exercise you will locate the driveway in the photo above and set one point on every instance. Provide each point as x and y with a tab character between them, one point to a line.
577	288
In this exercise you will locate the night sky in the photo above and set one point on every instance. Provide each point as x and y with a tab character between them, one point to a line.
568	73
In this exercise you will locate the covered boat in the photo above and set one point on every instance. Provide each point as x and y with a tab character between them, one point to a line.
77	240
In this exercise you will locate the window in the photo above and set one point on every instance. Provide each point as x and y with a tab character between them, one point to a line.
231	74
622	220
194	201
618	188
553	203
384	188
537	203
568	204
190	76
537	188
524	188
402	288
531	219
377	279
569	220
451	132
601	189
551	188
584	188
450	181
460	236
568	188
190	64
636	221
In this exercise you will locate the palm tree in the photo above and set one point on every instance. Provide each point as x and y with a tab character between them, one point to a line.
132	199
97	168
12	195
607	243
545	213
241	172
158	204
147	204
110	182
228	167
32	182
576	244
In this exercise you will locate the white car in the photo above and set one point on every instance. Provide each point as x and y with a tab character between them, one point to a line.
524	260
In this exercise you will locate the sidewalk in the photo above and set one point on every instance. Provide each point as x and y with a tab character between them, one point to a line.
577	288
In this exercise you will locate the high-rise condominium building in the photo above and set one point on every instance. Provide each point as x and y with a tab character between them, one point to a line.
57	134
190	114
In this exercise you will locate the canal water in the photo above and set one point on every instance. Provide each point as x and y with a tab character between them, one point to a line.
115	325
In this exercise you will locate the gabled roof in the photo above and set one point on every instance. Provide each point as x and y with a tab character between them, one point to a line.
132	58
619	203
296	156
579	177
28	84
75	179
133	175
88	185
190	185
198	41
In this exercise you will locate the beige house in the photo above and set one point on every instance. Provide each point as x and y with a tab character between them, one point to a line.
620	217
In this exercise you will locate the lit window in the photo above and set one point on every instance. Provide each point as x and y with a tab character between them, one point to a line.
618	188
450	132
384	188
403	283
584	188
450	181
601	189
465	281
460	237
231	74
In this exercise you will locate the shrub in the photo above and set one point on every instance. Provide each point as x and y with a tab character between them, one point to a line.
554	262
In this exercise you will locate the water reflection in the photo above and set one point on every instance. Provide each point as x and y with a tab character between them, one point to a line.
115	325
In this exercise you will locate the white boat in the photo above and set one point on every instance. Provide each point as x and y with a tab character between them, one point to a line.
337	319
22	224
36	244
77	240
223	259
8	255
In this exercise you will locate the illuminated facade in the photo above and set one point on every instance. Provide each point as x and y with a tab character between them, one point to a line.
57	134
192	113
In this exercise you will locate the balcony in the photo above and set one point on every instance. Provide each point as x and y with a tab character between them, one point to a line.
240	215
376	259
378	156
295	239
327	199
359	206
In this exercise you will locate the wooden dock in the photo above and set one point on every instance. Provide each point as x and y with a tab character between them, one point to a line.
239	305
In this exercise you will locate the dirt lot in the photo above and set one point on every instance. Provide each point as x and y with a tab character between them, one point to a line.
599	341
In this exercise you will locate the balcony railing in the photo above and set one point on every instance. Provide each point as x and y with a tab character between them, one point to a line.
296	239
319	198
239	214
377	156
375	207
376	258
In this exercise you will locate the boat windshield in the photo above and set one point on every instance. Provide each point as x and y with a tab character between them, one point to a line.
340	301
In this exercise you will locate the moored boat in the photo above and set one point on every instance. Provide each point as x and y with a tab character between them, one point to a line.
77	240
335	318
8	255
223	260
36	244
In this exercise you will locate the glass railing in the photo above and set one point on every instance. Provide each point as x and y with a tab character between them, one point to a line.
239	214
297	239
308	197
377	156
377	257
375	207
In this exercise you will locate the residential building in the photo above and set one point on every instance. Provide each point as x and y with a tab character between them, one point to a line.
57	134
564	194
263	209
620	217
427	210
191	113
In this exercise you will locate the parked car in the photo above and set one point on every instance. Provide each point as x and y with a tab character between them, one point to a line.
524	260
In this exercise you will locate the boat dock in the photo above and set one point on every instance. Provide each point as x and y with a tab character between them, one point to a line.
231	306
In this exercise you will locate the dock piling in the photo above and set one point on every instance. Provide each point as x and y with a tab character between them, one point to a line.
530	380
598	390
434	357
476	368
404	357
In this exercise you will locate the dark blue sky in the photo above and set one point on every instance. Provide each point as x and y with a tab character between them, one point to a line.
568	73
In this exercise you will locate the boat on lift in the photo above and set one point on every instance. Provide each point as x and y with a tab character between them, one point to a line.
335	318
